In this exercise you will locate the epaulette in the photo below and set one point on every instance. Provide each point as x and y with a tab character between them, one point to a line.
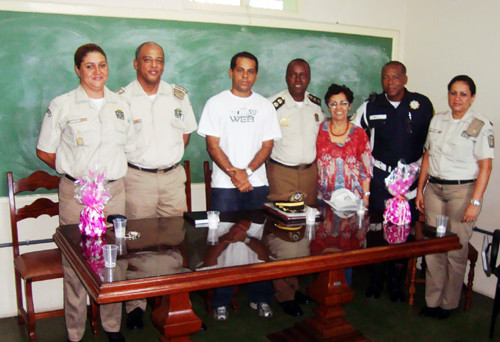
280	101
120	91
314	99
179	91
475	127
372	97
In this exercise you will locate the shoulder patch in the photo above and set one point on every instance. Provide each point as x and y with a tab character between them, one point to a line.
314	99
475	127
120	91
179	91
372	97
280	101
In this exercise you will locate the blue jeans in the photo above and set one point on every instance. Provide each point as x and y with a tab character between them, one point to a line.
225	200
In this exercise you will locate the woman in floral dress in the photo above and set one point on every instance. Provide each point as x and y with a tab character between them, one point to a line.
343	150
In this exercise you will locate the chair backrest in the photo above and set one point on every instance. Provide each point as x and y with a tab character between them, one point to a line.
42	206
187	168
207	173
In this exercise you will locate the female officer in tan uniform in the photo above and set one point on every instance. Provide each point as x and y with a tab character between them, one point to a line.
86	127
457	165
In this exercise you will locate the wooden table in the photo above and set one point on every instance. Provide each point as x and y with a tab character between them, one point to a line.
334	244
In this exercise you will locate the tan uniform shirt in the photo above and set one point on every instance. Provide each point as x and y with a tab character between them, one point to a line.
83	136
159	124
299	126
454	150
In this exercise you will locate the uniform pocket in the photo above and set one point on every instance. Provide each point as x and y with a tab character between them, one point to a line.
79	132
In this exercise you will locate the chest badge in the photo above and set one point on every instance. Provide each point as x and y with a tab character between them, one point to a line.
119	114
414	104
178	114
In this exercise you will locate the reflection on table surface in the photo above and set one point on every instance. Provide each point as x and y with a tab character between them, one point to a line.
174	245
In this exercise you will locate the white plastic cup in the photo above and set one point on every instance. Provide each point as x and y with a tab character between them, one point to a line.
311	215
122	245
212	237
310	231
441	223
213	219
108	275
120	227
360	207
110	252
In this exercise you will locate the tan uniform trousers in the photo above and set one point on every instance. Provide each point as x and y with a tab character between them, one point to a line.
161	194
75	295
446	271
149	195
285	288
284	181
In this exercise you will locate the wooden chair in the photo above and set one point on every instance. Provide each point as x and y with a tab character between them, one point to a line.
187	168
33	266
207	175
411	278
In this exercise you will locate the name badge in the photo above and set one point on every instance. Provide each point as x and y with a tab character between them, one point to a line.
378	117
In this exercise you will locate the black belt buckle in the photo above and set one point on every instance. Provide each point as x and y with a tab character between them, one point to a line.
74	179
153	170
435	180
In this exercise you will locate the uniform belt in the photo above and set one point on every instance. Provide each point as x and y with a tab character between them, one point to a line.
153	170
296	167
435	180
382	166
74	179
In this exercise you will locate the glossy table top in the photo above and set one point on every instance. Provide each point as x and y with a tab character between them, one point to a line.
173	255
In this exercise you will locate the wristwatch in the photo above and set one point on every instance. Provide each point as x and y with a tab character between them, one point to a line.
249	171
475	202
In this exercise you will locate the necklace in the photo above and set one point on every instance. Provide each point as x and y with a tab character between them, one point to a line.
338	135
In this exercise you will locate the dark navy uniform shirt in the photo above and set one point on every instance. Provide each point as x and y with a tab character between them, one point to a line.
396	134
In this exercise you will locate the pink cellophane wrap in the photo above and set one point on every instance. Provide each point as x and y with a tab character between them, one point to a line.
92	191
397	209
395	234
92	251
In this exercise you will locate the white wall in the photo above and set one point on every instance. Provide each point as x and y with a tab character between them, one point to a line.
437	40
447	38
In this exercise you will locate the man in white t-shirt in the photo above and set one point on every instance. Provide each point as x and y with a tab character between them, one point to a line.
240	127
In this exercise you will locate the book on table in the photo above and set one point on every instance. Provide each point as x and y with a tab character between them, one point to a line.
199	218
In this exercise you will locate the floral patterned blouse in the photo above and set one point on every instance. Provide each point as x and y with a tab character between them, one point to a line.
343	165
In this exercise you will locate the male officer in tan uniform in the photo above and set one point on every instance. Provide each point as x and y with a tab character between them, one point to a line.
163	121
292	167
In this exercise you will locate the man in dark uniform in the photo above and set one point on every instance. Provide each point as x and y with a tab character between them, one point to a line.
396	122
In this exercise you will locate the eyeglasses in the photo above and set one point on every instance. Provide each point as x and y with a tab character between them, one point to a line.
344	104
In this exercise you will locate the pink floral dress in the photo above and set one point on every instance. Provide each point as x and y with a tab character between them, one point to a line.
344	165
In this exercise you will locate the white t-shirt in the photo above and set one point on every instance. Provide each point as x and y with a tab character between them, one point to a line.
242	124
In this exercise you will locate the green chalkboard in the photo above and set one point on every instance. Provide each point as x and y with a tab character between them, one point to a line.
36	58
